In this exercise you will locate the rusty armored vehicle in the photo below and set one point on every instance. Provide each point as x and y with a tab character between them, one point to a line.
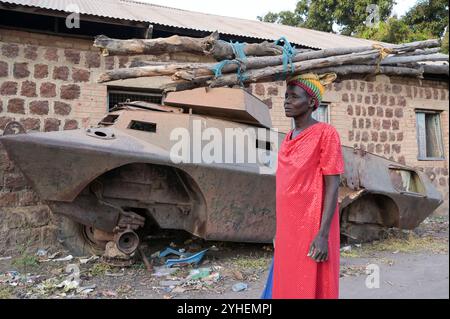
125	177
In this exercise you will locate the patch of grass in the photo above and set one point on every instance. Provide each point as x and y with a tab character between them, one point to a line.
26	261
99	269
412	243
6	292
47	287
251	262
351	254
138	266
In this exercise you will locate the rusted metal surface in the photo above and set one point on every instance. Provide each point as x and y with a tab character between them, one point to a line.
239	106
148	265
13	128
96	180
136	105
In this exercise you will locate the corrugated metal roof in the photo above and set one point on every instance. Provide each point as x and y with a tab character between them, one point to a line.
145	12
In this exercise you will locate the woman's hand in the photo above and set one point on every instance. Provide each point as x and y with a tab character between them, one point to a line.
318	250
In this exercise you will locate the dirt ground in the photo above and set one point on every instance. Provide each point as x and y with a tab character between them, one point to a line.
410	264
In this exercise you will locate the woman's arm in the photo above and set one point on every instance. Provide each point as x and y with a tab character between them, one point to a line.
319	247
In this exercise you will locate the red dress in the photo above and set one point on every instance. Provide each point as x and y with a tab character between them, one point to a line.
300	190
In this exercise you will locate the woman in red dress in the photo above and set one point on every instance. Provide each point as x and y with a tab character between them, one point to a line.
306	261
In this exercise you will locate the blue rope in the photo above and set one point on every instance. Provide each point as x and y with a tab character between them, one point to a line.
288	52
238	50
217	69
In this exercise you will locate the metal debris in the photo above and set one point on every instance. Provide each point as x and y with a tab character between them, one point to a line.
171	283
240	286
86	290
148	265
86	260
41	252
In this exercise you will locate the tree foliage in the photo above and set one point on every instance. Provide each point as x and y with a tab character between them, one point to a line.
425	20
322	15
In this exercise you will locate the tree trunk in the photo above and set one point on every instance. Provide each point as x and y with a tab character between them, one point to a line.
278	72
157	46
415	58
435	69
155	70
370	69
209	46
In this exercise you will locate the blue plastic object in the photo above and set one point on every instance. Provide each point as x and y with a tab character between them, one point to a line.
169	251
190	259
267	293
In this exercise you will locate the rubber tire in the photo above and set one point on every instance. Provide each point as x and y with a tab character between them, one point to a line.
73	237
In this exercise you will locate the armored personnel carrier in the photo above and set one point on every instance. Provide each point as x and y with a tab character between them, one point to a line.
204	161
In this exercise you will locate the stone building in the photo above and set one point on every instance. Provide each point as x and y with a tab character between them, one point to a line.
48	76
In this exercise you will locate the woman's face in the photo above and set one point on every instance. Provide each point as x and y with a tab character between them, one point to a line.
297	102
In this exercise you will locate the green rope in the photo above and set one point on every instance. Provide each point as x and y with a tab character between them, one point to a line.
288	53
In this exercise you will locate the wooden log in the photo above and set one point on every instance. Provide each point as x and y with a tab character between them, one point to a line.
262	62
166	69
212	46
415	58
411	46
341	70
436	69
182	85
190	71
222	50
209	46
175	43
370	69
255	75
421	52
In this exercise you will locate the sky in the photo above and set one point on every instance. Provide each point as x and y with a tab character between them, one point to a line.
249	9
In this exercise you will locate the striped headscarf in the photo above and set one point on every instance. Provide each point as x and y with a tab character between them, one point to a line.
313	84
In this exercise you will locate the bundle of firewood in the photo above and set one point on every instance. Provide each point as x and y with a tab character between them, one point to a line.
242	63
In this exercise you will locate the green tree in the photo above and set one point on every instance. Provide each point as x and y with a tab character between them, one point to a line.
270	17
394	30
425	20
429	16
322	15
283	17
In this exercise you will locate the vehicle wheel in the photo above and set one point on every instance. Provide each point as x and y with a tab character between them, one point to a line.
78	238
